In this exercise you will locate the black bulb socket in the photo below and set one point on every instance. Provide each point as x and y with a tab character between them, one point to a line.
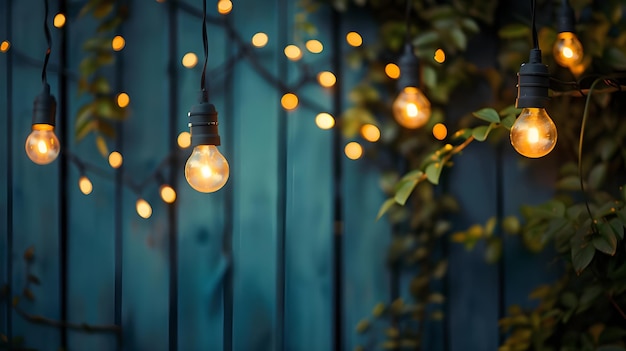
565	21
203	124
533	82
409	69
44	107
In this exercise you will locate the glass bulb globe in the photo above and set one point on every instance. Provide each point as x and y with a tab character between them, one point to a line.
533	134
568	51
411	108
206	169
42	145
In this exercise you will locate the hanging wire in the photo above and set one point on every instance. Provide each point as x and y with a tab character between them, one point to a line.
533	9
44	76
407	19
580	150
205	42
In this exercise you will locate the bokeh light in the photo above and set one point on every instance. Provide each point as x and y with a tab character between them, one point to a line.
59	20
353	150
392	71
289	101
115	159
260	39
168	194
4	46
190	60
123	100
118	43
440	56
184	140
324	120
85	186
144	210
293	52
370	133
326	79
354	39
224	7
314	46
440	131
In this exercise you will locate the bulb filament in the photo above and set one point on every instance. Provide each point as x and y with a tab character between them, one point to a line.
41	147
411	110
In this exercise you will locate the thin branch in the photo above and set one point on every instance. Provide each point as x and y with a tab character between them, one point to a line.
585	92
36	319
614	303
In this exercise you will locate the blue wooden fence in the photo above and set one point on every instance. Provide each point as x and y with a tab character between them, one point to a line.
286	257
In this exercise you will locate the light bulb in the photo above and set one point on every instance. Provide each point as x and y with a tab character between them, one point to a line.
206	169
85	186
42	145
411	108
568	51
533	134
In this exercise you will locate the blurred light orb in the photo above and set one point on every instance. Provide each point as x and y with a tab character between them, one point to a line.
190	60
353	150
324	120
260	39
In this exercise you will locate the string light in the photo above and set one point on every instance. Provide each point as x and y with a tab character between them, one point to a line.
168	194
354	39
370	133
293	52
353	150
123	100
567	50
59	20
533	134
314	46
260	39
206	169
42	145
190	60
324	120
289	101
5	45
326	79
115	159
118	43
85	186
144	210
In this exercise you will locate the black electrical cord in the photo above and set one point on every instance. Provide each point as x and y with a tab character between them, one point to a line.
44	77
205	42
533	9
407	19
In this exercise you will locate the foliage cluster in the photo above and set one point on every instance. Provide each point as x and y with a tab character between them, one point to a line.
584	310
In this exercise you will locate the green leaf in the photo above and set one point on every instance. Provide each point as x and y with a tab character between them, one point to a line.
582	254
597	175
429	77
494	250
405	191
97	44
470	25
480	133
109	25
362	326
618	227
606	240
88	66
427	38
415	174
569	300
433	172
102	146
488	114
100	85
458	38
511	225
90	5
569	183
508	121
385	207
104	9
615	58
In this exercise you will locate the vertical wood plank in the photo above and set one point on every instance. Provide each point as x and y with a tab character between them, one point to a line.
309	235
6	201
254	172
145	259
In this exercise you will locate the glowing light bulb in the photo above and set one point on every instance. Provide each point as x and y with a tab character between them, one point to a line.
207	169
533	134
411	108
42	145
85	186
568	51
168	194
116	159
